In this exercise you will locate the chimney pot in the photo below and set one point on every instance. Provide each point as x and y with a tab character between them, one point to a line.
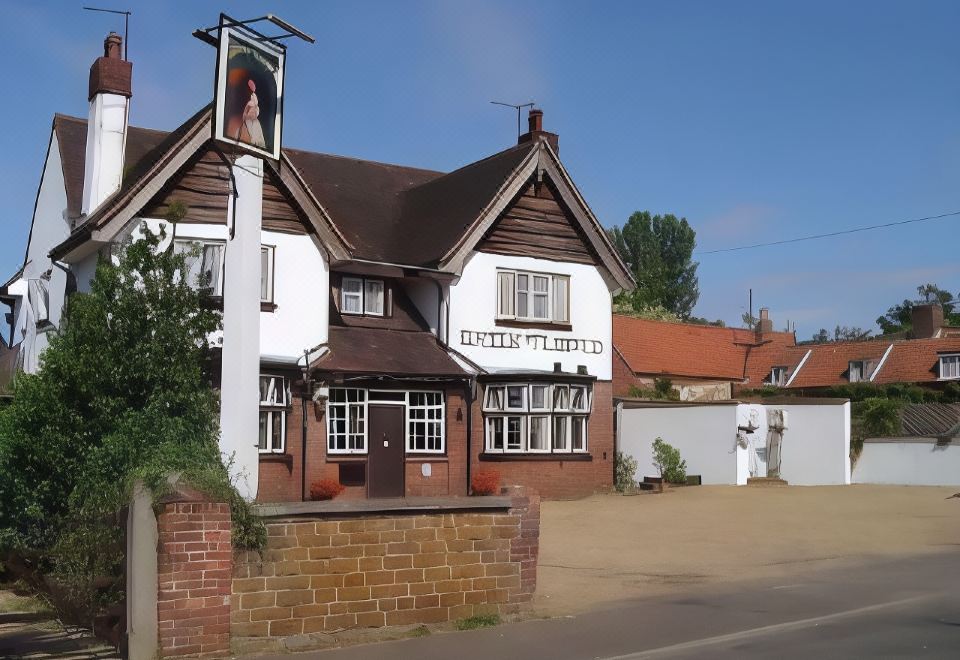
556	367
582	369
535	120
926	319
764	324
113	46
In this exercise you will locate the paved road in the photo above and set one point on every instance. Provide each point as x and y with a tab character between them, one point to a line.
907	608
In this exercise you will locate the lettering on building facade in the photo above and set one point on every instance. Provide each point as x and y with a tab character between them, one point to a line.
537	342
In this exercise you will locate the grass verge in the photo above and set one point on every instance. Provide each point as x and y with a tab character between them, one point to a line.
479	621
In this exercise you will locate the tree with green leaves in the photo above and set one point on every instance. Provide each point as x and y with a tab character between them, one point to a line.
899	318
123	394
658	250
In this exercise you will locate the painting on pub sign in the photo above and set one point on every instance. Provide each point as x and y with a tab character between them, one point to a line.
249	93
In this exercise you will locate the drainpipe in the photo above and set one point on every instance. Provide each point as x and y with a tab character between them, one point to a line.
303	410
468	391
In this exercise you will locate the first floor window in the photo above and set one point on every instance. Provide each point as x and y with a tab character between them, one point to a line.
536	418
425	422
359	295
266	273
346	421
949	366
527	296
274	399
204	261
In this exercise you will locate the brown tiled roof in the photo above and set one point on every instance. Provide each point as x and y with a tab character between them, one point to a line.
687	350
388	213
376	351
72	138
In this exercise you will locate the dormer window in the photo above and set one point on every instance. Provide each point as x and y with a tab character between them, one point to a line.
950	367
778	376
859	371
360	295
534	297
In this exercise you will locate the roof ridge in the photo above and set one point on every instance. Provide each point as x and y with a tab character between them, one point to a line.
362	160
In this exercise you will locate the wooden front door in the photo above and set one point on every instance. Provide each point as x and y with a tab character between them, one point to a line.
385	463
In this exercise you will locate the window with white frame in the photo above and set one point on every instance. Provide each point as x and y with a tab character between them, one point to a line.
949	367
536	418
204	261
529	296
425	423
274	399
347	421
360	295
858	371
778	376
266	273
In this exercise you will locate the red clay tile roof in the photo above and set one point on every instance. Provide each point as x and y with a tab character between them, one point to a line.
658	348
916	360
829	364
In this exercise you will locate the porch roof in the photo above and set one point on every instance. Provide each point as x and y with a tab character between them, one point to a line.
381	351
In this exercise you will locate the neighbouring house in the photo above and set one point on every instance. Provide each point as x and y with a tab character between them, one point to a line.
703	362
708	363
925	450
392	328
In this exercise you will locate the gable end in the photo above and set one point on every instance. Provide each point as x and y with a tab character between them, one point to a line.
538	224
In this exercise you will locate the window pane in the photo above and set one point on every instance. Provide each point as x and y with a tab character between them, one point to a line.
263	430
579	398
541	306
522	289
351	303
276	431
505	294
373	297
539	432
561	397
265	274
515	433
210	268
560	433
495	433
352	285
538	397
515	397
560	312
495	398
578	433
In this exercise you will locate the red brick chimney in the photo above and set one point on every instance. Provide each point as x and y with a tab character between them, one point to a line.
111	73
765	324
927	319
535	131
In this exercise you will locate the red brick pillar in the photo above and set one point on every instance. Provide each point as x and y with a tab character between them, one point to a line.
194	570
525	548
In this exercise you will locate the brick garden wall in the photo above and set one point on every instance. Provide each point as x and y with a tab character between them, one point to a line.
322	573
194	561
559	479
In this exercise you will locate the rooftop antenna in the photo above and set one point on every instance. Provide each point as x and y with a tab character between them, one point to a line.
126	25
518	108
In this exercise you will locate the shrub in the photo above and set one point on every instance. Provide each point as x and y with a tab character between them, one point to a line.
667	461
486	482
326	489
625	467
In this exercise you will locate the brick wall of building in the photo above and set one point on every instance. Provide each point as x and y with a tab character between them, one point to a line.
280	476
330	573
559	479
194	560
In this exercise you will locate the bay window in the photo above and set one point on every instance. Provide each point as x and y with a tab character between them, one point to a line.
536	418
535	297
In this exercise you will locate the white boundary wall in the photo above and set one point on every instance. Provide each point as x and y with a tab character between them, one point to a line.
908	462
816	446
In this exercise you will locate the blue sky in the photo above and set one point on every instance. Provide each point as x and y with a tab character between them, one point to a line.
757	121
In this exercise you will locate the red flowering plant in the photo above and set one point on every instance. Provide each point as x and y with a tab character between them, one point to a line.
486	482
326	489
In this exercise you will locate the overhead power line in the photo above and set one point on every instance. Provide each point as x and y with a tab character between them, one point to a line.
830	234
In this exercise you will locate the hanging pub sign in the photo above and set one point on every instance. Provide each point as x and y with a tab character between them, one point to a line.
248	102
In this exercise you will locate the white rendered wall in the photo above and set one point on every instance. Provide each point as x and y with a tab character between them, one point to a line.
473	305
301	291
49	228
705	436
106	137
423	294
816	447
908	462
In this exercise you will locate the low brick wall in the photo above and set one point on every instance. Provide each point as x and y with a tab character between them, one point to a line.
328	570
194	560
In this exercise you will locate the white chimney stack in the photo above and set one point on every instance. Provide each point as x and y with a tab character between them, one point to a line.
110	91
